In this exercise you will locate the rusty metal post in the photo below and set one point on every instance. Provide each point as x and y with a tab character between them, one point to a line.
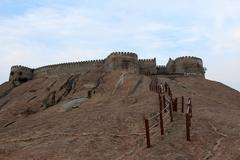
182	104
147	133
166	86
161	115
169	91
190	115
171	111
191	110
175	105
164	102
190	120
189	101
188	127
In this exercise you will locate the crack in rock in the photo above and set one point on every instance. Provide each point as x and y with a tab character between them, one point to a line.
216	146
119	83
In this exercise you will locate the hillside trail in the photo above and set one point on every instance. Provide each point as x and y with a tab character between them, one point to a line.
109	125
173	131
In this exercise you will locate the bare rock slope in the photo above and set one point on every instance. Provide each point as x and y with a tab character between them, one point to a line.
105	120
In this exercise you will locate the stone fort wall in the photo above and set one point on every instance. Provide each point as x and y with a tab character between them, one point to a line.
126	61
186	64
122	61
20	73
161	69
72	67
147	66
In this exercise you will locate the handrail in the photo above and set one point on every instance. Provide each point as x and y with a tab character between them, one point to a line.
167	104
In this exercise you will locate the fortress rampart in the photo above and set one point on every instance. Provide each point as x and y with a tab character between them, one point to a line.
147	66
72	67
20	74
124	61
161	69
186	64
130	54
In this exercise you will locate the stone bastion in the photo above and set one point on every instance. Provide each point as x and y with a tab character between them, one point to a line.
123	61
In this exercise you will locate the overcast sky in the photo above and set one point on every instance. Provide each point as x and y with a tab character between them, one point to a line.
40	32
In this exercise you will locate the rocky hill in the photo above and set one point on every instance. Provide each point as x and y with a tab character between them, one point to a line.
99	116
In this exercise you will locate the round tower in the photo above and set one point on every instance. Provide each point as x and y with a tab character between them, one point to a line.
125	61
189	65
170	67
20	74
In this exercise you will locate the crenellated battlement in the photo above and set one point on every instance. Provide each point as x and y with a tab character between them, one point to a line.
188	58
20	74
132	54
125	61
141	61
187	65
161	69
70	68
147	65
19	67
161	66
69	65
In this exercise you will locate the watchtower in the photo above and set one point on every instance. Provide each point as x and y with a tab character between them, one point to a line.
125	61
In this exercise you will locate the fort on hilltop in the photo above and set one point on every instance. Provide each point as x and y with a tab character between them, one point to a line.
125	61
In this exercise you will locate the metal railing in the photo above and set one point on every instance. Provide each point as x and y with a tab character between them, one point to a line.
188	119
166	107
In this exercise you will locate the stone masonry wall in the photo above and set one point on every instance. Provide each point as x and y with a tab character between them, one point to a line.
185	65
161	69
74	67
125	61
20	74
147	66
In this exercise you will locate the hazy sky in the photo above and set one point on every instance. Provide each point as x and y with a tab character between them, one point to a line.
39	32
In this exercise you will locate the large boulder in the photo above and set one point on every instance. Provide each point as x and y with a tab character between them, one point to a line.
73	104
